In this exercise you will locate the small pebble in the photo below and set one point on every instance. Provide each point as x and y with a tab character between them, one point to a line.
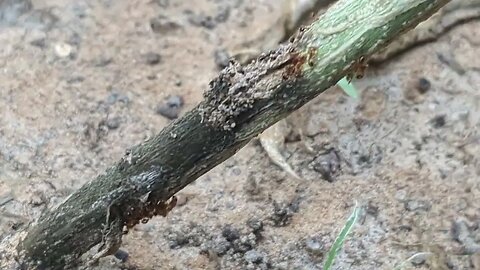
163	25
419	259
202	20
182	199
152	58
63	50
40	42
416	89
423	85
220	245
253	256
152	77
314	246
103	61
121	255
236	171
75	79
401	195
116	96
171	107
113	123
460	231
417	205
438	121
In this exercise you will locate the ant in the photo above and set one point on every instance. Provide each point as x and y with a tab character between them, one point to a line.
358	68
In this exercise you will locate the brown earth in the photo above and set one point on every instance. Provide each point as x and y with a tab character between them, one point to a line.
81	81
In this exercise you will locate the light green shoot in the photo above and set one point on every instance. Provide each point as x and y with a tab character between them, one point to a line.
348	88
338	244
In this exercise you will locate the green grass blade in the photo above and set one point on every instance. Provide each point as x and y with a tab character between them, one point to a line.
348	88
338	244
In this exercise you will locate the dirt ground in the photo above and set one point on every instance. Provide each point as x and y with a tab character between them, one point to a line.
81	81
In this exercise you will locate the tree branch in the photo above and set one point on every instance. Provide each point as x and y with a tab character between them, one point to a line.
241	103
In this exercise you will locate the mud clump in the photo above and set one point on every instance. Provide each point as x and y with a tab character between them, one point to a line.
327	164
255	224
237	88
282	214
230	233
190	234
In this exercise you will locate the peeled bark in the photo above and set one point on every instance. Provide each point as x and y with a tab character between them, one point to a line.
240	104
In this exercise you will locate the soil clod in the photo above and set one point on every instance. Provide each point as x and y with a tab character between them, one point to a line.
282	214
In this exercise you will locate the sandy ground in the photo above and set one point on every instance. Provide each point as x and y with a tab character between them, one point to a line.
81	81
